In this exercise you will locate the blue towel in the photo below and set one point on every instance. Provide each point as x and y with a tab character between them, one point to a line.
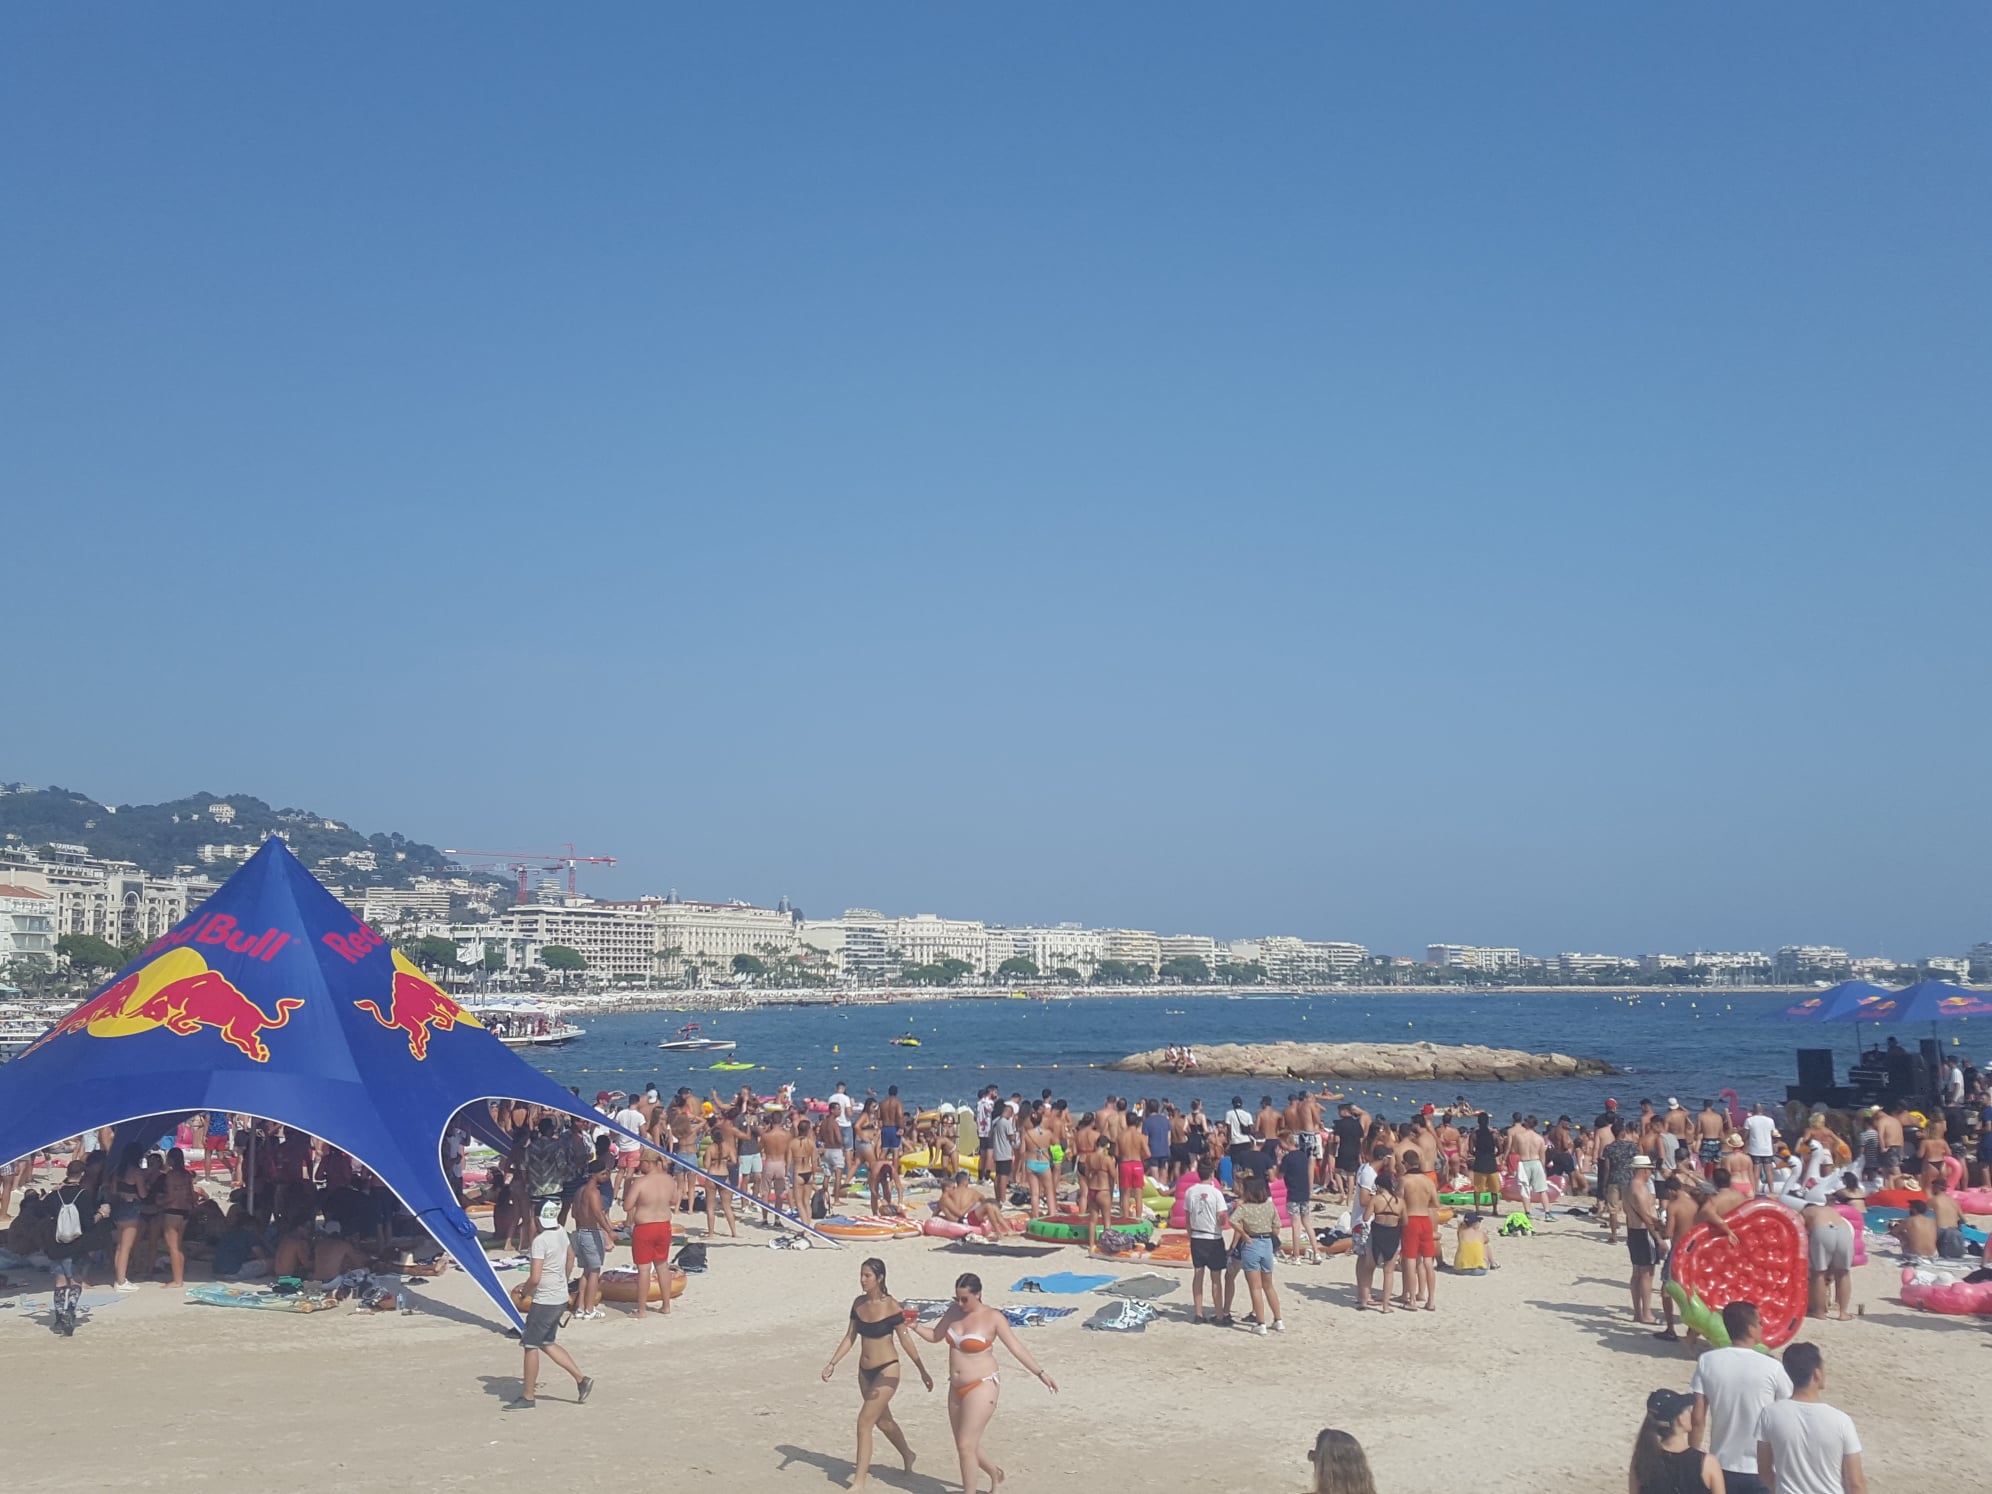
1064	1283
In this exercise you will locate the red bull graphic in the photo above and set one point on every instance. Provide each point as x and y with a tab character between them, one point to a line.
220	928
356	946
180	993
416	1005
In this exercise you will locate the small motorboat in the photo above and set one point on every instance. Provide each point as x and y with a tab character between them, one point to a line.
728	1065
687	1040
909	1041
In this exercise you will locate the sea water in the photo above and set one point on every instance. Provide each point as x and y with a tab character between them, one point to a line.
1687	1045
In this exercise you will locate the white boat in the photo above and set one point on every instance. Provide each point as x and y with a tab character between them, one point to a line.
525	1024
687	1040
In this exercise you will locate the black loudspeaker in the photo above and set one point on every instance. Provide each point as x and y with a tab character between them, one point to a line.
1815	1070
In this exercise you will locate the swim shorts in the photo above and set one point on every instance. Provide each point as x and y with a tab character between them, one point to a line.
1132	1174
1529	1174
1711	1149
1831	1248
1642	1248
627	1160
1208	1255
542	1324
650	1242
888	1137
750	1165
590	1249
1421	1240
833	1159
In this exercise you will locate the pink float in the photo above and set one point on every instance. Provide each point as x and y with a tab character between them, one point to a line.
1974	1200
1858	1220
1959	1298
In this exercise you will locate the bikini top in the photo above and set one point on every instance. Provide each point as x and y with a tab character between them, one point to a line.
969	1345
883	1328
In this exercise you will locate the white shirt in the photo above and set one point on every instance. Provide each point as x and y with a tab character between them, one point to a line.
632	1118
842	1105
550	1250
1366	1178
1240	1122
1739	1384
985	1113
1762	1134
1203	1210
1809	1440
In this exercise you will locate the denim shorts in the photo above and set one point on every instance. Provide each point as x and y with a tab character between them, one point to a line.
1257	1254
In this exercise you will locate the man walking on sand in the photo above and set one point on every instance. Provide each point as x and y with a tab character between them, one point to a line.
546	1289
649	1199
1805	1446
1761	1136
1525	1145
1733	1387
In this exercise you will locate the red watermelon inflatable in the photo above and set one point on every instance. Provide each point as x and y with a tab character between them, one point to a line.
1765	1265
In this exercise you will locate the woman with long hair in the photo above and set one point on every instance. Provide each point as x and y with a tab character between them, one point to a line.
1255	1225
973	1331
879	1328
1386	1234
1664	1457
1339	1465
178	1199
127	1188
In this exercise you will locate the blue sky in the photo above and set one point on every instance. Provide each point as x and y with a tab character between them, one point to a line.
1494	474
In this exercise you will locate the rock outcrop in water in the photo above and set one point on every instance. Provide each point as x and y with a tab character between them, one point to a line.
1405	1061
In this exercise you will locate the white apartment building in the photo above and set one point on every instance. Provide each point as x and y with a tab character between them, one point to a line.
27	924
1948	967
1066	946
927	939
1000	944
1135	946
520	951
113	900
614	938
384	907
1188	947
1979	961
1485	959
709	935
1731	967
1803	962
1574	966
868	944
1309	962
822	944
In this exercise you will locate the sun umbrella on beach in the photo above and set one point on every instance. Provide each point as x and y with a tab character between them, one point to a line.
1849	1001
1936	1001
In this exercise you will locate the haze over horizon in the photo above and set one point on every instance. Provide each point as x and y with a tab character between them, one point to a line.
1509	478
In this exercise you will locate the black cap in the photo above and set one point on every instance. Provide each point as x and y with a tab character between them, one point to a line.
1667	1405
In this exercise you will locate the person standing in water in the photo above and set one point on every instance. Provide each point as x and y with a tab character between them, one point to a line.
879	1326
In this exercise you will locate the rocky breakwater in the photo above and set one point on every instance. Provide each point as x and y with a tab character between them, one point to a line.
1406	1061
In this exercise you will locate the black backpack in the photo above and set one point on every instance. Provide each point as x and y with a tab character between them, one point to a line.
691	1258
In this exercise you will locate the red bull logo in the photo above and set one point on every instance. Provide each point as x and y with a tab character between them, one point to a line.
415	1005
180	993
222	929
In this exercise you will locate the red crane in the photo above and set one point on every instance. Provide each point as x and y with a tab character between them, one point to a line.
521	862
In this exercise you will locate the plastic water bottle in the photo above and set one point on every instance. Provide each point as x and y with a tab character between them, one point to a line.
401	1303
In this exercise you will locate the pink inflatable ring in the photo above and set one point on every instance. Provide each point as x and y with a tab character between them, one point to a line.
1959	1298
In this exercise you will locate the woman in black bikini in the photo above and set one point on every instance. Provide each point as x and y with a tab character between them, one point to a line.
127	1212
1386	1233
878	1324
177	1199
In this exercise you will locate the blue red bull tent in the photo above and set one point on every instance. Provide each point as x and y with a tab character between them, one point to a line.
273	1000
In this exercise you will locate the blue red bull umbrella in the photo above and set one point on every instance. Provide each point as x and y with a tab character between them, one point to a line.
272	999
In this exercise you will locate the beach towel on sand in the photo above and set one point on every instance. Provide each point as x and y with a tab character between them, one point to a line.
1144	1288
1063	1283
1125	1316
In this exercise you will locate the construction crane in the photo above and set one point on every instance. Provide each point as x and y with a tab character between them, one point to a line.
519	863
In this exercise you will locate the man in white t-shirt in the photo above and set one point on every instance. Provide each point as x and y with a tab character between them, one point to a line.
1239	1128
1805	1446
1760	1138
1203	1211
1732	1389
545	1288
628	1151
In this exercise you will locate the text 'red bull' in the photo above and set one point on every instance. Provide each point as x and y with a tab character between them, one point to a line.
180	993
221	928
356	946
415	1005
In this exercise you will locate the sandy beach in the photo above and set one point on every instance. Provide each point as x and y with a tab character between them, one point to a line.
1527	1379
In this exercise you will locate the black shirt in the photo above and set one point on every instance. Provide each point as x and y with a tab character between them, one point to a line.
1484	1150
1348	1136
1296	1167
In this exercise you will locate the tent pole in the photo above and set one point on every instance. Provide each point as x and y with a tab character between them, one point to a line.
252	1169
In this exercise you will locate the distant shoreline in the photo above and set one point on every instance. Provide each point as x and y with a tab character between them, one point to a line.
610	1003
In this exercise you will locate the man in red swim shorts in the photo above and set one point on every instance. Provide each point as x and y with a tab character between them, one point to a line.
648	1201
1131	1147
1421	1231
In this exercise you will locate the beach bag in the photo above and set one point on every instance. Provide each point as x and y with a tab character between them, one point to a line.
691	1258
68	1223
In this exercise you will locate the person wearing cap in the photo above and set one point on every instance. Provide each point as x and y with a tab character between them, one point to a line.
545	1291
1664	1457
1642	1236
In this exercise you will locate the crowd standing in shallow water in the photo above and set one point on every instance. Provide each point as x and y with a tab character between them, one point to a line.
1260	1187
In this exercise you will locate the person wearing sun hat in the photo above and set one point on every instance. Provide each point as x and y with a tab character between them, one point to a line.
1642	1237
545	1291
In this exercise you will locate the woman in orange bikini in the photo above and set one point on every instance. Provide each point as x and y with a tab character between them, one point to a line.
878	1324
972	1332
